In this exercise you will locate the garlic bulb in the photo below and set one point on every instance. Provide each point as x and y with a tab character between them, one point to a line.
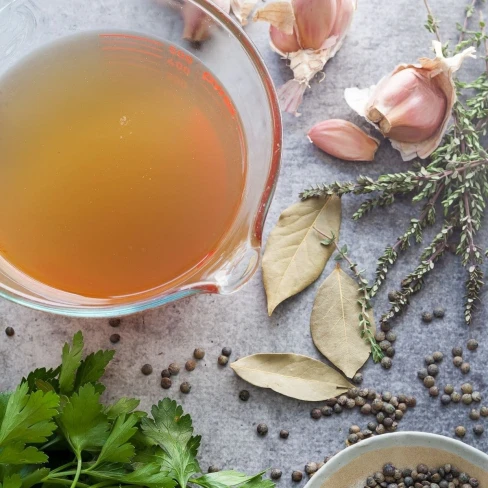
413	104
343	140
197	24
307	33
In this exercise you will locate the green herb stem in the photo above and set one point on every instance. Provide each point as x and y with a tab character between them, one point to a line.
78	473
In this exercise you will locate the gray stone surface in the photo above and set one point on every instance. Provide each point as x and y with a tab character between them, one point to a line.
384	33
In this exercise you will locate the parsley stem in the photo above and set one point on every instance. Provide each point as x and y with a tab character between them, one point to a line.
60	468
78	472
59	481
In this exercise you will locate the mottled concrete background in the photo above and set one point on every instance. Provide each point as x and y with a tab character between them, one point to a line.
384	33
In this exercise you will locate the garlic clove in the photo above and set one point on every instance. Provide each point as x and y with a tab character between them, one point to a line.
343	140
314	21
345	14
285	43
279	14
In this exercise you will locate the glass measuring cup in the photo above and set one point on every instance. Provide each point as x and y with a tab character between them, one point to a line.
234	63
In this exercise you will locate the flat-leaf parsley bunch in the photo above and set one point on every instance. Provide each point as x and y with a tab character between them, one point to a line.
54	431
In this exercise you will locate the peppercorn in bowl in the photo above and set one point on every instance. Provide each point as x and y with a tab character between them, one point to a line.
405	459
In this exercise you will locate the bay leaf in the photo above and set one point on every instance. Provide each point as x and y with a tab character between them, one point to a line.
294	257
292	375
335	323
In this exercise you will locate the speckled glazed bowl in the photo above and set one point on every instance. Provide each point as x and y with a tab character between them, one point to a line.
351	467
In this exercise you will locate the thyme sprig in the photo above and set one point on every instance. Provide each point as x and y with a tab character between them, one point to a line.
454	180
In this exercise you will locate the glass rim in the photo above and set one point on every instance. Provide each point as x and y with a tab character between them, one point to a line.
256	230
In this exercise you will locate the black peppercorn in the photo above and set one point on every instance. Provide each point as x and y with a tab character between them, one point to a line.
434	391
165	373
174	369
474	414
391	336
147	369
114	338
390	352
311	468
465	367
455	397
445	399
213	469
296	476
439	313
457	351
353	392
388	469
427	317
316	413
429	381
223	360
199	353
360	401
460	431
438	356
472	344
385	326
350	403
457	361
9	331
284	434
366	433
366	409
327	411
467	399
389	409
114	322
476	396
244	395
352	439
392	296
448	389
166	383
371	426
380	417
422	373
185	387
275	474
429	360
478	429
384	345
190	365
433	369
484	411
467	388
380	429
357	379
337	408
386	363
226	351
380	336
388	422
262	429
402	406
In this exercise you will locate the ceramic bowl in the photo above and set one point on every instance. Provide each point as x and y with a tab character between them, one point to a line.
351	467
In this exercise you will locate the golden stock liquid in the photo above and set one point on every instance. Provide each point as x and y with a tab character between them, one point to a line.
121	164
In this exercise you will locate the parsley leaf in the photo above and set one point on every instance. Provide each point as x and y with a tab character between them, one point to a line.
173	432
82	420
122	406
71	360
93	367
225	478
44	375
17	453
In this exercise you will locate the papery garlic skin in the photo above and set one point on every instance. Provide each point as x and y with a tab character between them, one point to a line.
412	106
343	140
308	34
197	24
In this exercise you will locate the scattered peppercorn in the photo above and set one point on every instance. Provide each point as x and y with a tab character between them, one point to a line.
384	345
467	399
386	363
390	352
467	388
427	317
476	396
350	403
316	413
174	369
275	474
392	296
456	397
429	381
434	391
372	425
391	336
448	389
429	359
484	411
380	336
311	468
457	361
327	411
223	360
357	379
478	430
439	313
244	395
465	367
9	331
226	351
352	439
360	401
213	469
262	429
474	414
337	408
296	476
284	434
380	429
385	326
146	369
445	399
114	338
185	387
388	469
438	356
433	369
190	365
353	392
366	409
422	373
114	322
199	353
166	383
165	373
354	429
457	351
460	431
411	401
472	344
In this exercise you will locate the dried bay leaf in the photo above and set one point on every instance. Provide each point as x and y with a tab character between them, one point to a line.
294	257
335	323
293	375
